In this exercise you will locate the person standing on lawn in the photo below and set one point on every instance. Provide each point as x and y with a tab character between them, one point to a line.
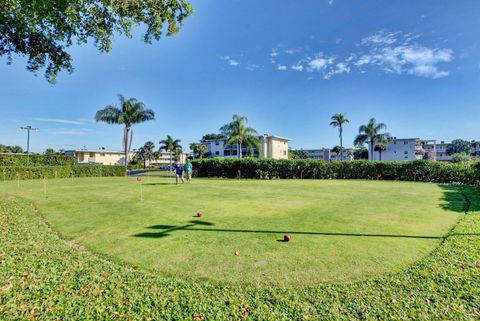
188	170
179	173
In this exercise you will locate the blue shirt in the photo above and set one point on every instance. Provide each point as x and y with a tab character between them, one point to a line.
188	167
179	169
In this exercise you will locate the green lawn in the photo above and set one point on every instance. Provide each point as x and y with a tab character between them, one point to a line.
341	230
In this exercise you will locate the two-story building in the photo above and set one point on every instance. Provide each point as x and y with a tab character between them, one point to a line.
99	157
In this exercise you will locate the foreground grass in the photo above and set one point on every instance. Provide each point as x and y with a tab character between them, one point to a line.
45	278
342	230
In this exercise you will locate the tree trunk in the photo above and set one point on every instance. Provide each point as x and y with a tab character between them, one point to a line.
125	141
380	155
341	143
372	157
240	150
171	163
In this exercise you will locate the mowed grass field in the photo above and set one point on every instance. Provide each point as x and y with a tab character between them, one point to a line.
341	230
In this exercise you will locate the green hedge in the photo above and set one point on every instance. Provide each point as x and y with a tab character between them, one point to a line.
36	160
425	171
36	172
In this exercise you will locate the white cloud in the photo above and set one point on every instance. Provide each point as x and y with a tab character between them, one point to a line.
381	37
297	67
231	61
281	67
396	53
340	68
319	63
60	121
291	51
252	67
330	2
274	52
72	131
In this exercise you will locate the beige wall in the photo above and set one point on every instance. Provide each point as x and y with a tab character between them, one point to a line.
275	148
103	157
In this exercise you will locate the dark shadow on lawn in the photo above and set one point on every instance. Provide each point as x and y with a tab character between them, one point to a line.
455	198
192	227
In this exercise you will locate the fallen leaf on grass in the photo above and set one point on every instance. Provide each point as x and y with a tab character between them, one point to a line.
198	317
6	287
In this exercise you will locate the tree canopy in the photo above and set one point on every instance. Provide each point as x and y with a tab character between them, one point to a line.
43	30
459	146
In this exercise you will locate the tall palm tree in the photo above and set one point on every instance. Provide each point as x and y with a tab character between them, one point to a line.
370	133
237	133
170	145
338	120
130	112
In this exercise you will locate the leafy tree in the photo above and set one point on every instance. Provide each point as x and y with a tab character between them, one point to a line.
15	149
360	153
382	144
3	148
337	150
212	137
236	132
459	146
199	150
146	153
338	120
170	145
43	30
49	151
461	158
131	112
297	154
371	133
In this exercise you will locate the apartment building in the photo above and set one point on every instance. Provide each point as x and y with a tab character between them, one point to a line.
441	150
105	157
99	157
328	155
271	146
406	149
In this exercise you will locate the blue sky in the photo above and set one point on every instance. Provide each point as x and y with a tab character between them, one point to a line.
286	65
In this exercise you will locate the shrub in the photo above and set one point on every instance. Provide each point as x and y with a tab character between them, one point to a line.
36	160
419	170
36	172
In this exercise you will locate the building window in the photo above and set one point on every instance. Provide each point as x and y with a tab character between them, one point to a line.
102	154
217	153
405	142
217	143
284	152
405	152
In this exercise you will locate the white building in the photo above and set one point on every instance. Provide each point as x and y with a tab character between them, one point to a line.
274	147
406	149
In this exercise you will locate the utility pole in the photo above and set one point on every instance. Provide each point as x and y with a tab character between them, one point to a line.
28	129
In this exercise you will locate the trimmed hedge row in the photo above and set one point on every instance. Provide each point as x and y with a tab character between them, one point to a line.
420	170
36	160
36	172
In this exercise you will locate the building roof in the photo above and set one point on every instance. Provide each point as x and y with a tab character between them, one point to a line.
97	151
260	136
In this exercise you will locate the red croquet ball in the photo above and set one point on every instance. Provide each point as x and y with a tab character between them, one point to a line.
139	179
287	238
199	214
